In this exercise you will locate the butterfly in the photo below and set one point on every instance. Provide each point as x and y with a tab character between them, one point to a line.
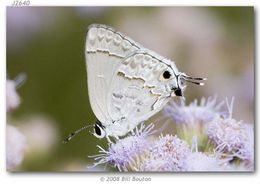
127	83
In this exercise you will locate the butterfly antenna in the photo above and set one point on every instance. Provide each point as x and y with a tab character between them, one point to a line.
191	79
73	134
194	82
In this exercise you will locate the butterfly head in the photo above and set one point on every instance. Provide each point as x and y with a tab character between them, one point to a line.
176	82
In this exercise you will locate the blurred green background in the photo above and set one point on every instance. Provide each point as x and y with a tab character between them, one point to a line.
47	44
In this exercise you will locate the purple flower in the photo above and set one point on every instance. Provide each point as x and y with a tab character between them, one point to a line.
219	139
15	147
194	114
198	161
124	152
12	98
232	136
166	154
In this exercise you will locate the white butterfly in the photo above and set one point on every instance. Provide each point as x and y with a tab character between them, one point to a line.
127	83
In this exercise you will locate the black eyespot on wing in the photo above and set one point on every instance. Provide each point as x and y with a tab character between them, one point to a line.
166	74
97	130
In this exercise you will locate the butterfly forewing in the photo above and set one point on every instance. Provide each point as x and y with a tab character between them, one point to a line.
105	50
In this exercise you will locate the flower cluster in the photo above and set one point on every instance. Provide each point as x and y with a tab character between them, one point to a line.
166	154
12	98
234	137
125	152
15	140
15	146
194	114
31	136
207	139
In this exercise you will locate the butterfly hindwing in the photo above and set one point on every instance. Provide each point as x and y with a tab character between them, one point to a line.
136	91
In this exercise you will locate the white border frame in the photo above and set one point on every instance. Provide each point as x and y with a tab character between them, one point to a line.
67	179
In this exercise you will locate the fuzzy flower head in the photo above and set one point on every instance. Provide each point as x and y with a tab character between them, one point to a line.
247	153
217	143
124	152
194	114
198	161
232	136
41	134
12	98
166	154
15	147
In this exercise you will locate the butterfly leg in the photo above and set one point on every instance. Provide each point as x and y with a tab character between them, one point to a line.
117	138
108	139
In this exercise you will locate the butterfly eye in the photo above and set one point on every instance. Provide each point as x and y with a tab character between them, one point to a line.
165	75
181	82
